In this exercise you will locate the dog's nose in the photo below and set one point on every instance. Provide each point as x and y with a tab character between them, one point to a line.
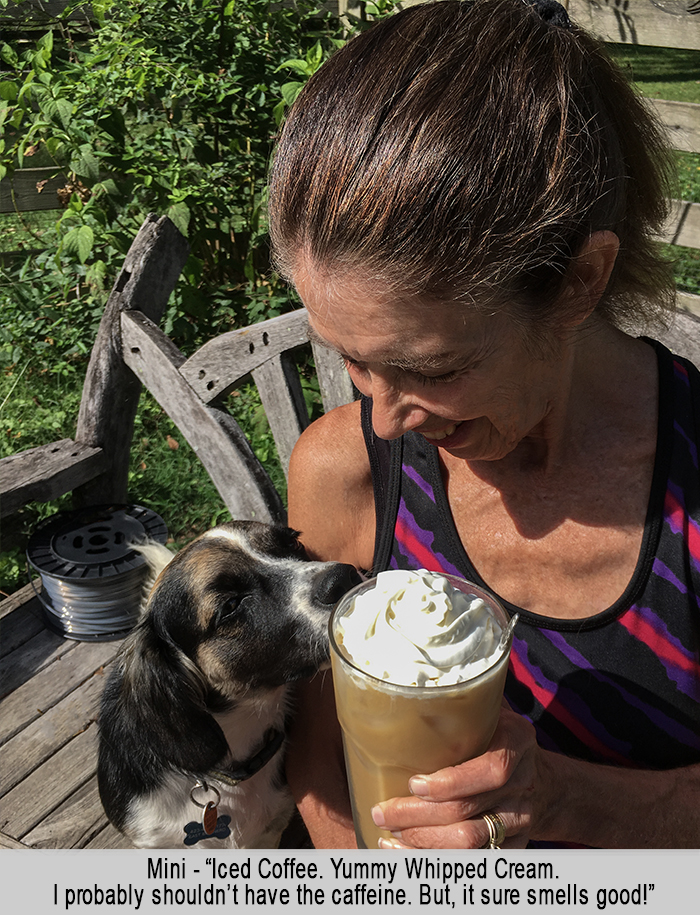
330	586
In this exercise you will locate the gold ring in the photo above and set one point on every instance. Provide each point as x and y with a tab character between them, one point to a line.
497	830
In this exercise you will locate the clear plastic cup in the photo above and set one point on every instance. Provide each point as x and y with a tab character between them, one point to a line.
392	732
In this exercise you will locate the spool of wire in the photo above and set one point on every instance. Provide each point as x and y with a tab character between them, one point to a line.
92	579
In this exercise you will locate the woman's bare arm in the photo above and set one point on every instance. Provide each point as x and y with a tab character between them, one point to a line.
331	503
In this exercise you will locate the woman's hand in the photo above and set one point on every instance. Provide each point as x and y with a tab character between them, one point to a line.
447	807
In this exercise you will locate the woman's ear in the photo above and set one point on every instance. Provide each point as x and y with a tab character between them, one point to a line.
588	274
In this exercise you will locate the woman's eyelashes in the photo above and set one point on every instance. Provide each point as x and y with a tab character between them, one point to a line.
420	377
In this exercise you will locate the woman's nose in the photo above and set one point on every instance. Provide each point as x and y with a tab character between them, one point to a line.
393	411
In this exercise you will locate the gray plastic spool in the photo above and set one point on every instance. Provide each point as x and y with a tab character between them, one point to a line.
92	579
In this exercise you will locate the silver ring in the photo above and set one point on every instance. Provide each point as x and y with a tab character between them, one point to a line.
497	830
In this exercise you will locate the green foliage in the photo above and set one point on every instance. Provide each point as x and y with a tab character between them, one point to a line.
170	107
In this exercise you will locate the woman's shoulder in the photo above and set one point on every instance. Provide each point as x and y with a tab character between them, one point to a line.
330	491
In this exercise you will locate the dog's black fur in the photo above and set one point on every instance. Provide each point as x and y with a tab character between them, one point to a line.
231	622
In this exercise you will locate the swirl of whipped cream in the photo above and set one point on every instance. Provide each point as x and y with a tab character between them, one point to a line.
417	629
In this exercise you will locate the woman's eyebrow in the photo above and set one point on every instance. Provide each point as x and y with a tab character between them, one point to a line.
407	362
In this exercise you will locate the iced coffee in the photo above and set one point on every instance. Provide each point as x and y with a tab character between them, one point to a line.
419	664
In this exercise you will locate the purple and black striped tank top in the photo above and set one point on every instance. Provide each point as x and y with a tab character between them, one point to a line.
622	687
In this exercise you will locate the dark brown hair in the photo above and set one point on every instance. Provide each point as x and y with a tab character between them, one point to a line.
466	150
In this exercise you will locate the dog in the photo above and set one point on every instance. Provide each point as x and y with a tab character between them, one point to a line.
192	719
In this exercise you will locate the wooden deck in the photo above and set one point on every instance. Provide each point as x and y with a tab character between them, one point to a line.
49	696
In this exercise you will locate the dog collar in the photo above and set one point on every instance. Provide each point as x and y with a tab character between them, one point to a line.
240	772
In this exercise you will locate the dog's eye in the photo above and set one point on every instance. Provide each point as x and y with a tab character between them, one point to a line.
230	608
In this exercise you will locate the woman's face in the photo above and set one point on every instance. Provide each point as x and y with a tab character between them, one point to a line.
469	383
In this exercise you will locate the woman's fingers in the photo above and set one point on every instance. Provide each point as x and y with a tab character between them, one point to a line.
471	833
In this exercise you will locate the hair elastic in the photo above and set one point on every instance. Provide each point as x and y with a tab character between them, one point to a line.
551	12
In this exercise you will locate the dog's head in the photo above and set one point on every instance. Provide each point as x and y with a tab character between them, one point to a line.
247	608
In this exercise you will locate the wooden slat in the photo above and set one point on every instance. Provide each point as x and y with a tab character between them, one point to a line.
9	842
19	666
217	366
40	793
683	337
52	684
689	303
110	392
333	379
30	11
666	23
109	837
21	626
682	122
281	395
47	472
684	225
31	189
20	598
216	438
73	823
48	733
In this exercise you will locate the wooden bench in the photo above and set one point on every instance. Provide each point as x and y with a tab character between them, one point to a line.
50	685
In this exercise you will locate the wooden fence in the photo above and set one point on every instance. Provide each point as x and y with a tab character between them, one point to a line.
660	23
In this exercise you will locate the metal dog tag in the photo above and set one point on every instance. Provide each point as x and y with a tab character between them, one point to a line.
210	816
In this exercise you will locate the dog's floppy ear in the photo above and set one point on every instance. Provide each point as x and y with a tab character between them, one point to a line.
153	718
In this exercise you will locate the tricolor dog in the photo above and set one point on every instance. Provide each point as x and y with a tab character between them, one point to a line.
192	722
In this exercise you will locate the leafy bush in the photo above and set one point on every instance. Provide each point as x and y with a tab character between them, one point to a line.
167	106
170	107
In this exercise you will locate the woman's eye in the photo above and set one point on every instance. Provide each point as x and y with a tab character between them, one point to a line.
437	379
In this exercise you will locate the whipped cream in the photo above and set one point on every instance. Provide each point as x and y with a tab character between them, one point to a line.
417	629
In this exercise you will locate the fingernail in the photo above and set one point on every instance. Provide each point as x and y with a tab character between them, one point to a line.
378	816
418	786
388	843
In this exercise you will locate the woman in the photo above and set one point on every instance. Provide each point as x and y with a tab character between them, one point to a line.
465	198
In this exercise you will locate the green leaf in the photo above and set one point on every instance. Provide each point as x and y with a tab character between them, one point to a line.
299	66
8	90
84	163
79	242
179	213
8	56
290	91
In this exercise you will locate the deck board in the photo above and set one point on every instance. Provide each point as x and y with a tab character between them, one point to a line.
51	684
50	732
50	691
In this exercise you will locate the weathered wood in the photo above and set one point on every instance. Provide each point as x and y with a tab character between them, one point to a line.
73	823
46	688
47	472
41	11
20	598
333	379
683	337
111	392
31	189
682	122
109	837
48	733
689	303
684	225
19	666
17	628
665	23
216	438
48	786
214	370
9	842
282	397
